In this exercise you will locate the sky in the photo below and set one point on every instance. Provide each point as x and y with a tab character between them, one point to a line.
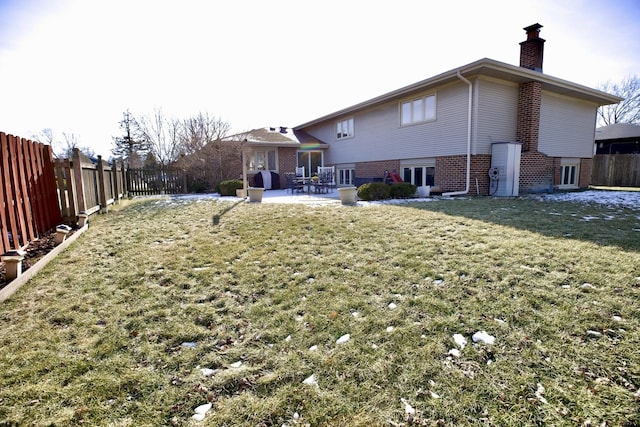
75	66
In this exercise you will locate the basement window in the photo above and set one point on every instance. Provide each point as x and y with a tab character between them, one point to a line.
569	173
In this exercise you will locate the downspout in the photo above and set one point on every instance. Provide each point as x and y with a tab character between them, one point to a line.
468	182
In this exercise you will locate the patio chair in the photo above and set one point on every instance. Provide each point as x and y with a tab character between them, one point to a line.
326	178
293	184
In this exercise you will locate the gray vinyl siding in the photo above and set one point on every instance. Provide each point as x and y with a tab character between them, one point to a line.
567	126
379	136
497	114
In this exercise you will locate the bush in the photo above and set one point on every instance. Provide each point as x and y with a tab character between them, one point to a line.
229	187
374	191
402	190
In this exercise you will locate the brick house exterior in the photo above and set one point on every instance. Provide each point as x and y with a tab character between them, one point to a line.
440	131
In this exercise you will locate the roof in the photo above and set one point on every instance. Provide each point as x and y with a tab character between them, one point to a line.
486	67
276	137
618	131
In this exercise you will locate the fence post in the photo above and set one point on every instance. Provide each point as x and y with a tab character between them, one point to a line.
114	180
79	183
102	189
125	184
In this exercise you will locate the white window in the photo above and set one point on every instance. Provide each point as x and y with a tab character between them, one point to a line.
418	110
569	173
344	129
345	176
419	175
264	160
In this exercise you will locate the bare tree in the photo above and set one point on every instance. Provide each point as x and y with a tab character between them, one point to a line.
62	148
202	154
627	110
161	135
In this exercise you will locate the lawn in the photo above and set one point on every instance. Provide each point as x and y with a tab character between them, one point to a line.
297	315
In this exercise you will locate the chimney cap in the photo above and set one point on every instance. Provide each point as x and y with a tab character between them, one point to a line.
533	31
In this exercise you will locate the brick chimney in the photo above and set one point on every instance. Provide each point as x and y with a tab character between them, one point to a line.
530	93
532	48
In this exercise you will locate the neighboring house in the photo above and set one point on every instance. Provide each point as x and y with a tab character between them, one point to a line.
442	131
617	159
618	138
278	150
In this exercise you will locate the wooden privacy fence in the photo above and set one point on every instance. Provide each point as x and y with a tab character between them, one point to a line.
28	198
616	170
150	181
85	187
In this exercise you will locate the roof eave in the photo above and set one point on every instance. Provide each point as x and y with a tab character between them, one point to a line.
483	66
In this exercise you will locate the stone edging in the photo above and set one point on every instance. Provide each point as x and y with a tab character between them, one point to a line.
16	283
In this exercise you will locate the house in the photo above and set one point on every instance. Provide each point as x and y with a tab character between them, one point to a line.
483	128
277	150
618	138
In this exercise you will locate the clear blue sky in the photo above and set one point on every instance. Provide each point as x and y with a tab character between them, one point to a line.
76	65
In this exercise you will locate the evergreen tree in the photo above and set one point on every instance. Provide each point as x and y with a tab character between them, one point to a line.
131	146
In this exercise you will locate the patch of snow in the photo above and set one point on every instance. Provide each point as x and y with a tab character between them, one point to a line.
460	340
389	329
392	306
208	372
311	381
313	348
483	337
343	339
593	334
454	352
201	411
236	365
408	409
539	392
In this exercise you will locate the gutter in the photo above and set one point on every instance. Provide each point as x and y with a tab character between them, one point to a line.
468	181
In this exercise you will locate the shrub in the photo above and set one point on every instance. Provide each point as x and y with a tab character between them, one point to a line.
374	191
229	187
402	190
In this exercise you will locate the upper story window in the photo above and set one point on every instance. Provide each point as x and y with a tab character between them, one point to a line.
344	129
418	110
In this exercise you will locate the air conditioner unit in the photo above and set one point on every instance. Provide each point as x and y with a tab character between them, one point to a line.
504	174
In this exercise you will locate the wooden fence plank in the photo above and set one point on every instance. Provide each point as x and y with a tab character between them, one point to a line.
15	209
27	214
616	170
5	200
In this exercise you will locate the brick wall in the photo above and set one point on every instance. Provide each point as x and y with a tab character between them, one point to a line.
376	169
451	173
528	127
586	166
286	163
536	172
480	165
